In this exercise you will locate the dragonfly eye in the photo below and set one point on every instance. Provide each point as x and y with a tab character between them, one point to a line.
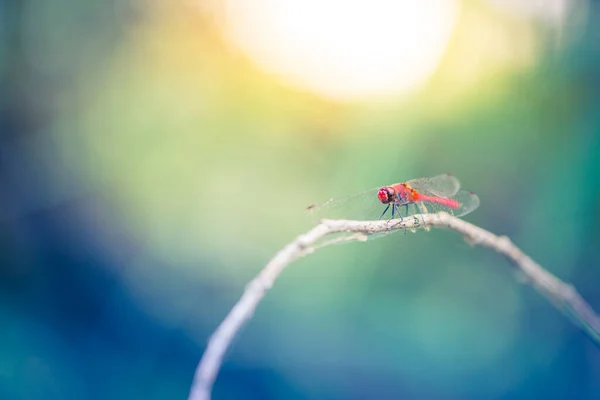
386	194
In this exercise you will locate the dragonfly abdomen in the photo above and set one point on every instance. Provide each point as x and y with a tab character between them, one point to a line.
451	203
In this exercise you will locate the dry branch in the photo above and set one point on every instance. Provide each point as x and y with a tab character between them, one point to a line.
559	293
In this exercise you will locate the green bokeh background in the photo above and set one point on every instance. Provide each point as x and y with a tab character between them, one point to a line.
151	170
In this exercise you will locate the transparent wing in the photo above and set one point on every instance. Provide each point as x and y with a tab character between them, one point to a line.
445	185
361	206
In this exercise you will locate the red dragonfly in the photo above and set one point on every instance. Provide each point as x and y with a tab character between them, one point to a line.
416	196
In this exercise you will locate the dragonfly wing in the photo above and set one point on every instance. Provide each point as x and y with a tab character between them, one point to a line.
469	201
360	206
445	185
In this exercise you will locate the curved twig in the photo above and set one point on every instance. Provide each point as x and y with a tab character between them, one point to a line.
560	294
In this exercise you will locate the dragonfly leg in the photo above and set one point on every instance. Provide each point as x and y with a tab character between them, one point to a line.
398	211
405	205
384	211
423	210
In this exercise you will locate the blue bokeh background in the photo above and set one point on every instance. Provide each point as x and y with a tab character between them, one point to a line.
148	172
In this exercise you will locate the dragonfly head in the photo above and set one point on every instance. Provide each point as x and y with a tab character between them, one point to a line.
386	194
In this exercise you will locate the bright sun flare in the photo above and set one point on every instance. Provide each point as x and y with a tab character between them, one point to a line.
344	49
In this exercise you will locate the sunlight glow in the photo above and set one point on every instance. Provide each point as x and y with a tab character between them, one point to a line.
555	11
344	49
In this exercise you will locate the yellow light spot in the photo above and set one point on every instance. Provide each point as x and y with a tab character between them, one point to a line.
344	49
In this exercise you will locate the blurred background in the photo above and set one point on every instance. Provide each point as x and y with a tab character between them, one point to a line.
155	155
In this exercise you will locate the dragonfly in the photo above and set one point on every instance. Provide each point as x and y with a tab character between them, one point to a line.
400	200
